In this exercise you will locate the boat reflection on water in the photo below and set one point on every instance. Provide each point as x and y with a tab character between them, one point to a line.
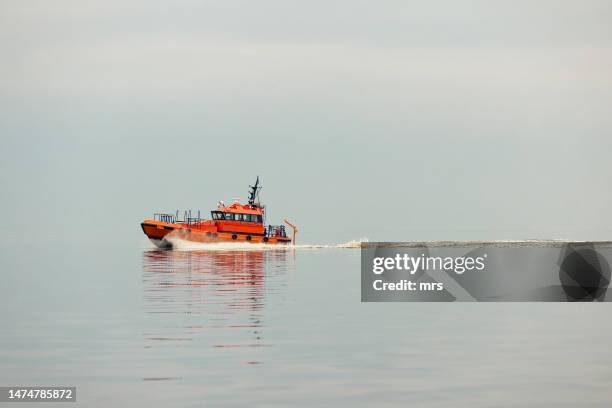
210	298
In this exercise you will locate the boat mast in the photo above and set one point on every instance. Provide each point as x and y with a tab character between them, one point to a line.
253	192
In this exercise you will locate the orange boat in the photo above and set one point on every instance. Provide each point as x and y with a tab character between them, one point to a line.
232	223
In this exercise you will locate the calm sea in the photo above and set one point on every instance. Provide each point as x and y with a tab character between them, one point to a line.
135	326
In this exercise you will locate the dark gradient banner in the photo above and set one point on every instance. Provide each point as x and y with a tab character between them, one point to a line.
495	271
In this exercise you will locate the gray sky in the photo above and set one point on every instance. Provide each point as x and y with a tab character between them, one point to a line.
386	120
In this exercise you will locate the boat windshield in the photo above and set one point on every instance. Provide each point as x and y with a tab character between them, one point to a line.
228	216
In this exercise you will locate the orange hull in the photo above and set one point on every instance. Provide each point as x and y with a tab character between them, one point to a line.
156	231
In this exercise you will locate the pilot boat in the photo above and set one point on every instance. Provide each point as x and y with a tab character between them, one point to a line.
237	222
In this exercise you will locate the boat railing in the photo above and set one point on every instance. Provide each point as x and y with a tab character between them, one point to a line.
174	218
194	221
276	231
169	218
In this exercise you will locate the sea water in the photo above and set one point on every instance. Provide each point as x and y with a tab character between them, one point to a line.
131	325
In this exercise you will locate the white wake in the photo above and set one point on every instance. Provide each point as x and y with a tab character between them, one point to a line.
185	245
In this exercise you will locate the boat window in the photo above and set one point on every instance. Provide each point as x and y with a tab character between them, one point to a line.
229	216
238	217
247	217
259	219
216	215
